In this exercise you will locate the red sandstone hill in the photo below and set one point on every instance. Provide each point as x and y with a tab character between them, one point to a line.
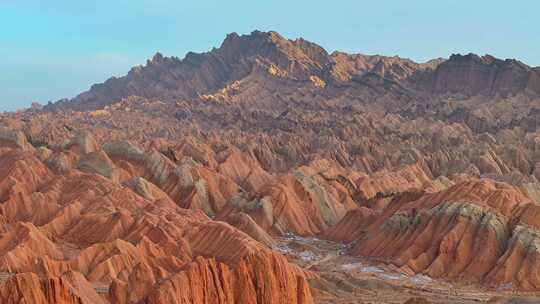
177	182
84	230
474	231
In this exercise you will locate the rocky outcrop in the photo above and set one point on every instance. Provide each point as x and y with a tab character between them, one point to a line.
98	163
471	75
83	143
81	236
245	223
305	202
13	139
29	288
475	231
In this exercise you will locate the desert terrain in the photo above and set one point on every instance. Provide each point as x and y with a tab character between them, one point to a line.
268	170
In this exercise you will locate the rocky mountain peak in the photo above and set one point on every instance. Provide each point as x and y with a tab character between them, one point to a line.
471	75
158	58
270	56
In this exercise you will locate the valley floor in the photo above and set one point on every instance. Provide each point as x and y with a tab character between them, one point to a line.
341	278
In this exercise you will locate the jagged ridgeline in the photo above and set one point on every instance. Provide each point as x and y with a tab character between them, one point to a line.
241	61
271	171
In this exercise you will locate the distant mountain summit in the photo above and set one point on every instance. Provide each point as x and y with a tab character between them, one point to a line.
471	74
267	55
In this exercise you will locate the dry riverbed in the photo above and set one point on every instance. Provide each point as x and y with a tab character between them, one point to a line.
341	278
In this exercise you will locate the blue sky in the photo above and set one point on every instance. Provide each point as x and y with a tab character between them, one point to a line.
51	49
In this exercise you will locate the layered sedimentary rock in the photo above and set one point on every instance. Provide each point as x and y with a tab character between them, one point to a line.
220	74
471	75
29	288
305	202
476	231
134	186
81	236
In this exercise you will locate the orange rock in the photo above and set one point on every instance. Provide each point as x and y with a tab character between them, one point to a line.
29	288
81	236
474	231
305	202
123	184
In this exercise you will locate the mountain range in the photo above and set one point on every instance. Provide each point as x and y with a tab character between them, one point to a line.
300	62
271	171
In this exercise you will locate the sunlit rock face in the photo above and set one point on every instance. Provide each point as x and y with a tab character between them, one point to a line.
106	231
177	182
476	231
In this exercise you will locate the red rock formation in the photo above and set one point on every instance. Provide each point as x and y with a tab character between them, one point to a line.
82	237
472	75
477	231
267	56
273	136
305	202
417	300
29	288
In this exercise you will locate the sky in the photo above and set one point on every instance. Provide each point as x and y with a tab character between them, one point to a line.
53	49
